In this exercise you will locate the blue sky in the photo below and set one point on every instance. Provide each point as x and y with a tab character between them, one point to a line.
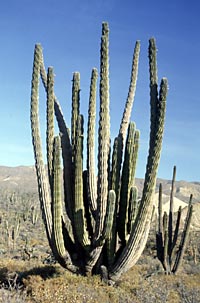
69	32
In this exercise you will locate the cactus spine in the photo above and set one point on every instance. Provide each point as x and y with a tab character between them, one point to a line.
169	252
104	228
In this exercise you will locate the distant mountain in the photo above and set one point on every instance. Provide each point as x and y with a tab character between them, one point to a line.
20	179
23	179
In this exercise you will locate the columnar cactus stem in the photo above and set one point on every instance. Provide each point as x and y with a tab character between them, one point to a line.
91	176
43	189
131	94
75	107
104	133
166	240
50	120
184	238
79	210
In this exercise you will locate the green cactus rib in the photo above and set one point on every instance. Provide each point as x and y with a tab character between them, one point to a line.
57	202
75	107
127	182
79	210
171	211
50	121
109	217
43	189
58	111
58	237
160	220
184	238
91	176
103	134
153	83
131	94
133	206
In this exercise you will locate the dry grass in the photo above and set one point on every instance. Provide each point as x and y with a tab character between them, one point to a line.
28	282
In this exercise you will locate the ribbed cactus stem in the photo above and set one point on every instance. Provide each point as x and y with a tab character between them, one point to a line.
91	176
171	212
50	120
43	189
135	155
58	239
75	107
109	216
176	231
160	214
79	210
153	82
133	205
184	238
131	93
103	133
126	183
57	201
57	107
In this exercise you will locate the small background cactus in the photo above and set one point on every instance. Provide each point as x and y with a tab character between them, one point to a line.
170	249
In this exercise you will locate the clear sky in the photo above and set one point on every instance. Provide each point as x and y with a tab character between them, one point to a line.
69	32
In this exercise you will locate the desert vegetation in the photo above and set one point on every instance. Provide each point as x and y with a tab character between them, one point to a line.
102	228
37	277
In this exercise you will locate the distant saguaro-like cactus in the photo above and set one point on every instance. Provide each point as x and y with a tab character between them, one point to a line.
96	224
170	251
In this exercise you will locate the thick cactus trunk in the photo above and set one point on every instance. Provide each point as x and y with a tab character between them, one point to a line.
105	227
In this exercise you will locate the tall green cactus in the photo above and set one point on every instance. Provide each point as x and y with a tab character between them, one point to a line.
169	251
104	227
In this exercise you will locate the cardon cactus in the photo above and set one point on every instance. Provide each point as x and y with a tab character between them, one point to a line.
170	251
95	223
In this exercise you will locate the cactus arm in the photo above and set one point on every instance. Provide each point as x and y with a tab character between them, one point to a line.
92	182
126	183
108	222
103	134
131	93
160	215
176	232
171	212
79	210
153	83
57	203
114	185
67	173
133	205
164	259
135	155
135	245
75	107
159	234
57	107
58	239
43	189
50	121
126	117
184	238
